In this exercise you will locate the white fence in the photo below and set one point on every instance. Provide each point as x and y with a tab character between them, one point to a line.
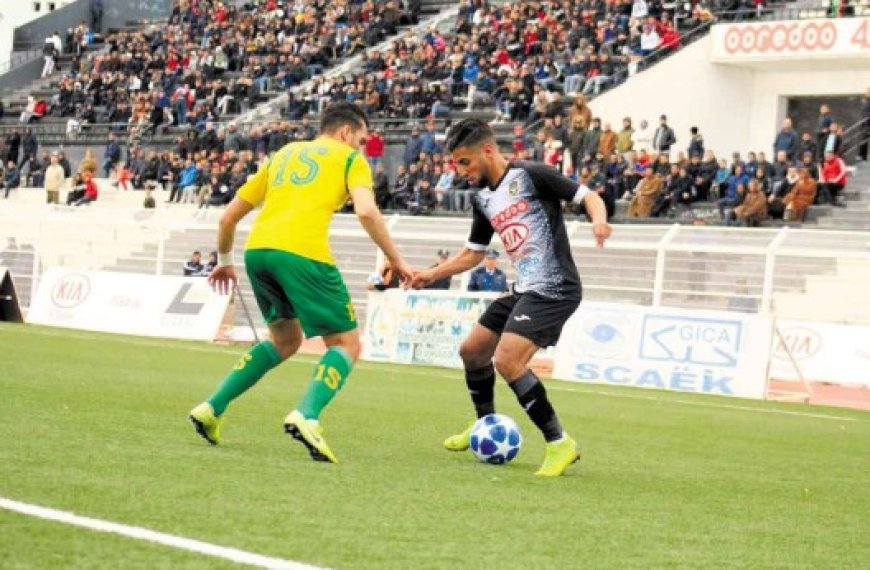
792	273
808	285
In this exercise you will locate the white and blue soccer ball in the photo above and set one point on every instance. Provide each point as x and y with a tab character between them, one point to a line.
495	439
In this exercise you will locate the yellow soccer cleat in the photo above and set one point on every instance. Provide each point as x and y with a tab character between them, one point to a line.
460	441
560	454
310	434
206	423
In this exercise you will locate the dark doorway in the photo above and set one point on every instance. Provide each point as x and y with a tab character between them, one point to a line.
804	112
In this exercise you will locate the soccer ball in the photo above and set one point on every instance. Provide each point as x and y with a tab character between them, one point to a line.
495	439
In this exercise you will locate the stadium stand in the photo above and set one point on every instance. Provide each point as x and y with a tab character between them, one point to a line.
700	268
225	84
231	57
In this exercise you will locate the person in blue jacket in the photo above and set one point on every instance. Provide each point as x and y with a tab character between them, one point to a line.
488	277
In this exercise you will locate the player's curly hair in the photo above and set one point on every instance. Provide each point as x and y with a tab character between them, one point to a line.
468	133
340	114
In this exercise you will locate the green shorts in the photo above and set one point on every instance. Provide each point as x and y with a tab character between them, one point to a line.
289	286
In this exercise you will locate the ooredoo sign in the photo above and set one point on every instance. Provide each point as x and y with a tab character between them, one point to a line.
848	37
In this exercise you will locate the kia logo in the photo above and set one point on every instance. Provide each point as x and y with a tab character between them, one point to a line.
70	290
513	236
800	341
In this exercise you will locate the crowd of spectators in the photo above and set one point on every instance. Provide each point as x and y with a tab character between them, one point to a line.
213	59
643	166
210	60
519	57
523	58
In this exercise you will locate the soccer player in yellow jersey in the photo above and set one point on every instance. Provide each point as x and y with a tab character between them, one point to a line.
293	274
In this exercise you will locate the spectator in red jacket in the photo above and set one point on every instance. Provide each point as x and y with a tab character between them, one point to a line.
375	148
670	36
833	180
91	192
530	39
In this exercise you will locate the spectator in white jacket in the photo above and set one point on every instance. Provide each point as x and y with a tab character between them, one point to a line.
639	10
649	40
643	136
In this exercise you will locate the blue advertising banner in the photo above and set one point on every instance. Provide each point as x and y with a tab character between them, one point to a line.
671	349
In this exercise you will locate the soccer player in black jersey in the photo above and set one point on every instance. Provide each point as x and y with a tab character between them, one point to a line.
522	202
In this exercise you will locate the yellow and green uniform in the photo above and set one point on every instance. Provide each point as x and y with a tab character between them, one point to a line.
287	255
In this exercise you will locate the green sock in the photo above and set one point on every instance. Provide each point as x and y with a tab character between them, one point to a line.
326	380
252	366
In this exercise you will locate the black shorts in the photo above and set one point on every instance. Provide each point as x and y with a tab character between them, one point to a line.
529	315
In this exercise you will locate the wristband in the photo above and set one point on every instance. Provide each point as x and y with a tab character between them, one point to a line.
582	190
225	259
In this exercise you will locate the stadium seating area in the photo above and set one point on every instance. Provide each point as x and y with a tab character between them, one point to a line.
705	267
176	89
210	60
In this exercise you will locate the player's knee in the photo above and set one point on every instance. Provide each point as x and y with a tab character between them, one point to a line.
353	349
351	346
287	347
472	356
509	365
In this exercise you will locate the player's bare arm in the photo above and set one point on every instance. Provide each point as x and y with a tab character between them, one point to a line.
223	277
598	213
463	261
373	223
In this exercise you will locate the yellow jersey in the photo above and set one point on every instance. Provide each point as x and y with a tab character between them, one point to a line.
301	187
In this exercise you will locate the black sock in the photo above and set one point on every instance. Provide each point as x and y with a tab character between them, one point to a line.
533	398
480	384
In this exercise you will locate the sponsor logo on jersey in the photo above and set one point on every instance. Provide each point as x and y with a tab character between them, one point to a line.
509	213
513	236
528	265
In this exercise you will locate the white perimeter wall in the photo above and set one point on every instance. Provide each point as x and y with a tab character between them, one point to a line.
736	108
15	13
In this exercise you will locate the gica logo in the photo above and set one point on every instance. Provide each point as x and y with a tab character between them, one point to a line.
70	290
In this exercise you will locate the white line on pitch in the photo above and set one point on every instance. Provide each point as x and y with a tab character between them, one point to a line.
705	404
232	554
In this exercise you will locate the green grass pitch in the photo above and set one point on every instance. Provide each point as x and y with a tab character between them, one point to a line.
97	425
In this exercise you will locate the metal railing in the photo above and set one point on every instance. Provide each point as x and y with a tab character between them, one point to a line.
857	134
676	266
19	58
